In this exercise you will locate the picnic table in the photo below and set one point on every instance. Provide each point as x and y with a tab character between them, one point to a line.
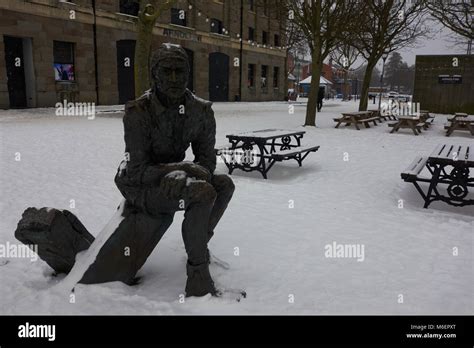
259	150
457	114
415	123
460	123
356	118
449	165
382	116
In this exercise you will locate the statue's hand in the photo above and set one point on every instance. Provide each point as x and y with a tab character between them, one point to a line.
172	184
194	170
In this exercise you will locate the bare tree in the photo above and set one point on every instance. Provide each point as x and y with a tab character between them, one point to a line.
455	15
389	26
149	12
345	55
322	23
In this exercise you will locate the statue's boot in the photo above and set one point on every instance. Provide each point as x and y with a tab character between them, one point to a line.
58	236
199	281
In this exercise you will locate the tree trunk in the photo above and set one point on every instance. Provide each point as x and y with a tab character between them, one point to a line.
344	92
364	94
285	85
149	12
142	55
145	25
316	68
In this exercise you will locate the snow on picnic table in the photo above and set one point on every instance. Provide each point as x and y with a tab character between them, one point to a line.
280	225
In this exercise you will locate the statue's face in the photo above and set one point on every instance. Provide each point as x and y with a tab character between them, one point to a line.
171	77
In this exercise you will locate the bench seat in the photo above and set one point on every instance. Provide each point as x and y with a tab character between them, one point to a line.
411	173
293	153
370	119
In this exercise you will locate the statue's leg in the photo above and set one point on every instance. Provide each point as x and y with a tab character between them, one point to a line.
199	198
224	187
128	248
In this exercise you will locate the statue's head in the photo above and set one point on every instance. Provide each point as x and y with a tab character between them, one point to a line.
170	70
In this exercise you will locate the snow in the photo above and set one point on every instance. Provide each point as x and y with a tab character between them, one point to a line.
274	233
176	174
87	258
265	133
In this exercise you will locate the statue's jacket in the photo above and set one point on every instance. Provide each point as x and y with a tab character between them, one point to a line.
156	136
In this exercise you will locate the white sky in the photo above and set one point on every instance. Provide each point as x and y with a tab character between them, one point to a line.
439	43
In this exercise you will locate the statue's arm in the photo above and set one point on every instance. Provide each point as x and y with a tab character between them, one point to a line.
203	146
139	170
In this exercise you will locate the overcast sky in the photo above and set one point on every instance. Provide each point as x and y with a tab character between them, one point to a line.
441	43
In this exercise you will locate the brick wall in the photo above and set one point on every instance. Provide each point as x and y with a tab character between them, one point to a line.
47	20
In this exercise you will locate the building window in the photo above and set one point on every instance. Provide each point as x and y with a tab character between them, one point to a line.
251	34
63	56
264	38
264	76
129	7
216	26
251	75
265	8
252	5
178	17
276	74
277	40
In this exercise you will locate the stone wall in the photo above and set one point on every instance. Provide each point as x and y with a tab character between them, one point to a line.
47	20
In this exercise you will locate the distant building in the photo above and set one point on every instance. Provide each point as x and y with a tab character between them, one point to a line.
445	83
301	70
52	49
305	85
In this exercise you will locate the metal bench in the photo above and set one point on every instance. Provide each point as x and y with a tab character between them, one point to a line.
449	166
411	173
298	154
260	150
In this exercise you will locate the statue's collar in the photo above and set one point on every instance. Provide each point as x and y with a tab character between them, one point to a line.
158	108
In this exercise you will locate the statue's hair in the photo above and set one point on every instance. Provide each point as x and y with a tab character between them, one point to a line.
168	50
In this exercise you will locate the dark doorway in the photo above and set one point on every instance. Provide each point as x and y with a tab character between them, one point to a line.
218	77
191	69
125	74
15	71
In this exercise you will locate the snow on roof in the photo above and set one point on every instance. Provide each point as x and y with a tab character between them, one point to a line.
291	77
322	81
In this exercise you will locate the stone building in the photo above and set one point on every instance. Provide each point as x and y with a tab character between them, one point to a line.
83	50
445	83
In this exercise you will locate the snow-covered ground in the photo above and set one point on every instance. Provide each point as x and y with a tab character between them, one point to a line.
280	226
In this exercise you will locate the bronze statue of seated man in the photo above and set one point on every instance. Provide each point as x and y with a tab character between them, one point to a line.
159	128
